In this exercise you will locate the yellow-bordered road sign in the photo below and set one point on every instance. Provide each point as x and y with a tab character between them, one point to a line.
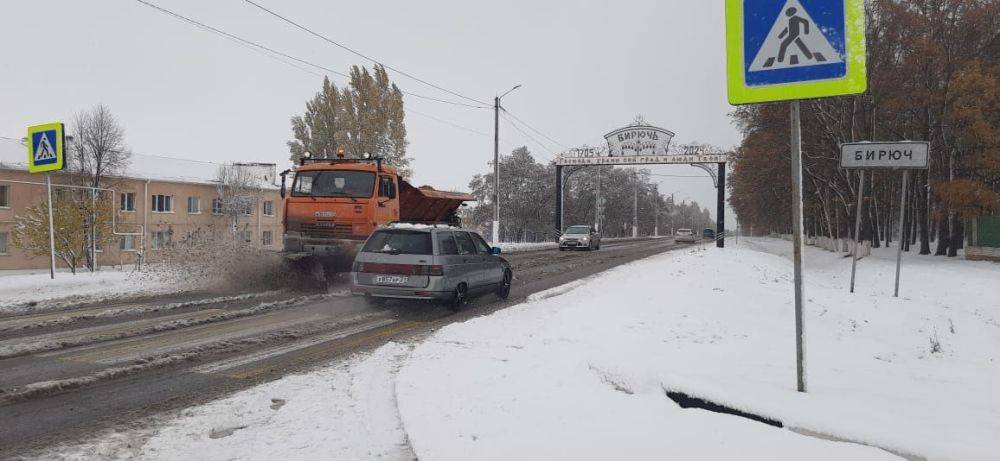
794	49
46	147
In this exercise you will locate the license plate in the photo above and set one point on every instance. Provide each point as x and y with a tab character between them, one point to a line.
391	279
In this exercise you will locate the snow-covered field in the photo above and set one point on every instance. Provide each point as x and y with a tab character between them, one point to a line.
582	373
17	290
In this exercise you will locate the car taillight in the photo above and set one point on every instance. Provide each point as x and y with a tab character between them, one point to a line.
358	267
428	270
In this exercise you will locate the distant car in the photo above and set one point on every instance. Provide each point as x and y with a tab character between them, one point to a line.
708	234
685	235
580	237
429	262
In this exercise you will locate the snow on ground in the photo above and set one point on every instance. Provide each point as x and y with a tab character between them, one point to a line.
508	247
581	372
18	289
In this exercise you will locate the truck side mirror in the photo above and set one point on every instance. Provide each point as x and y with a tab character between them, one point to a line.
283	191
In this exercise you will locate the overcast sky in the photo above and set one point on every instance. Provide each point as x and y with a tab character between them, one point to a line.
586	69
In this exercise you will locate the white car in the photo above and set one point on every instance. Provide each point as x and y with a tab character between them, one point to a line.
685	235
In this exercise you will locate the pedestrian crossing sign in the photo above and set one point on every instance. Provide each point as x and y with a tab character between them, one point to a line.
46	146
794	49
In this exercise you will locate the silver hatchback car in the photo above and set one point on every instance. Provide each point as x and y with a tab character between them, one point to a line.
429	262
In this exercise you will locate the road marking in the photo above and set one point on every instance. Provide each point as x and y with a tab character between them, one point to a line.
376	334
234	362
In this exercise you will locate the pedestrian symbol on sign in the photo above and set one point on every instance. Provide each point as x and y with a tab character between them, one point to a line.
45	151
794	41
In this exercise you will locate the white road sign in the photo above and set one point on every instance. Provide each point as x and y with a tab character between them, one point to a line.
898	155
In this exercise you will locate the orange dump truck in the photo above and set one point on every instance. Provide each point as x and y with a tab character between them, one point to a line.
333	205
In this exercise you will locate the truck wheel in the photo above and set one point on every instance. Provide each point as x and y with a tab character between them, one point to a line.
504	291
460	298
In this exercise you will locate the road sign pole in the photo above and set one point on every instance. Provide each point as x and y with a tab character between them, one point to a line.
800	359
52	235
902	216
857	226
720	208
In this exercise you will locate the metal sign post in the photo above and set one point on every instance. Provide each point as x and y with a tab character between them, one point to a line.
857	227
901	155
800	347
788	51
46	153
902	217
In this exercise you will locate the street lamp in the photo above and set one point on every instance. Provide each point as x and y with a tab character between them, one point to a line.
496	164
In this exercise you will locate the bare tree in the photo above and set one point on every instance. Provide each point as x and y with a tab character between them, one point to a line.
98	149
240	189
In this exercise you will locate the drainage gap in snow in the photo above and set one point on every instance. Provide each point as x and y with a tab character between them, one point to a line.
686	401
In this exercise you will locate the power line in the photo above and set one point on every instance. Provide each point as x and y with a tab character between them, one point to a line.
526	135
533	129
448	122
357	53
274	53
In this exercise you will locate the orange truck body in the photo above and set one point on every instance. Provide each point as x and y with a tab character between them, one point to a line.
322	225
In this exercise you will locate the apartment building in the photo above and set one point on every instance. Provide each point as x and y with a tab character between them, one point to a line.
165	200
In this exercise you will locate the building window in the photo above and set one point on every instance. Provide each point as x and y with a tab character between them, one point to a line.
216	206
248	209
127	243
128	201
268	208
3	243
163	204
194	205
159	239
266	238
246	236
4	196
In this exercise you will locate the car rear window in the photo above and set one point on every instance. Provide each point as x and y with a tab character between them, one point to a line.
399	242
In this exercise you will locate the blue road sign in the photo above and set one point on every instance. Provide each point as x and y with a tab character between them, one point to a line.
46	147
794	49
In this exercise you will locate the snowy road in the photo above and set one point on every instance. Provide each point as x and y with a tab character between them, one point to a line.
70	372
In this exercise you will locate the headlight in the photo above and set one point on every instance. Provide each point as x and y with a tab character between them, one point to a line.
562	238
584	239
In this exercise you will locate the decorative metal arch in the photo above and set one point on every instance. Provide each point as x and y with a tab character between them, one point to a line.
711	172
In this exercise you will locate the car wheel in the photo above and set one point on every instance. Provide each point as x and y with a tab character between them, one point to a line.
460	298
562	248
504	291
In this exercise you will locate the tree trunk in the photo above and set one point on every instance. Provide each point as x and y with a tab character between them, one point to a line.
943	238
922	211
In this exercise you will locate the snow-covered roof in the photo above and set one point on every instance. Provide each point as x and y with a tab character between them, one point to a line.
14	156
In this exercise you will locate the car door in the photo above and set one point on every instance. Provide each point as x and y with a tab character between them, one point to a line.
470	257
492	270
455	268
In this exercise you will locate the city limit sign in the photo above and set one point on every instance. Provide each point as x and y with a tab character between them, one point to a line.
892	155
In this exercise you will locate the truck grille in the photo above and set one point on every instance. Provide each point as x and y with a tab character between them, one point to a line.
327	230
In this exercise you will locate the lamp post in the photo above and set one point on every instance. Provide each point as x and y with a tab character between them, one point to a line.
496	164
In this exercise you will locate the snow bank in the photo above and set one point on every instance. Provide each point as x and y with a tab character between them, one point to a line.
584	374
20	292
507	247
346	411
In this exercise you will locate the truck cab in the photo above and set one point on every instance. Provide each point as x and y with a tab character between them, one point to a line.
333	205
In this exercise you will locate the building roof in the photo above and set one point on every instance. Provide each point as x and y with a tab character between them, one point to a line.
14	156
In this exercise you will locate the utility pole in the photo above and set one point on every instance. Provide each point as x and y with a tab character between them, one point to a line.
597	203
635	203
496	170
496	165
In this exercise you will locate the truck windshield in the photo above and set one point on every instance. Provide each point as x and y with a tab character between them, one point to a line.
399	242
334	183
